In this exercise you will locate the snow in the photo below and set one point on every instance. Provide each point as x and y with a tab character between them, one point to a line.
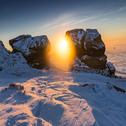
14	63
52	97
77	35
29	42
3	55
57	98
3	51
80	35
92	34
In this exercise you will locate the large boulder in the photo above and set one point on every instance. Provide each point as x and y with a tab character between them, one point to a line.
93	43
77	37
34	49
90	48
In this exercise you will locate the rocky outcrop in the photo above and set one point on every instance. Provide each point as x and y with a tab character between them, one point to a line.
34	49
90	48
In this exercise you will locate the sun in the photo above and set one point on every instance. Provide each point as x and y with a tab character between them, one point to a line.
63	47
63	54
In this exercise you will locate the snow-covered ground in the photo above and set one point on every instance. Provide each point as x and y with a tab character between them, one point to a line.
61	99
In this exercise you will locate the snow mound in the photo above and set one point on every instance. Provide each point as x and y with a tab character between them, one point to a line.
13	63
16	64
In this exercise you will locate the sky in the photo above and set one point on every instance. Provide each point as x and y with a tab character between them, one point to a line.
55	17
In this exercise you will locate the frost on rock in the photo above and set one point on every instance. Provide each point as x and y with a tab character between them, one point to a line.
93	44
34	49
91	34
25	43
76	36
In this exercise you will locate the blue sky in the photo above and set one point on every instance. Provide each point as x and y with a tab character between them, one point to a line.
54	17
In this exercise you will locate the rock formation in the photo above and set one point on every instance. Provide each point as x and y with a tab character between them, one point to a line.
90	48
34	49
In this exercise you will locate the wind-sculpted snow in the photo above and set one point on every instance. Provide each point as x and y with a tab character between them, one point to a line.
45	99
55	98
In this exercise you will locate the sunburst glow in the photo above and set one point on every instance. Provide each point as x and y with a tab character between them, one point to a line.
63	48
63	54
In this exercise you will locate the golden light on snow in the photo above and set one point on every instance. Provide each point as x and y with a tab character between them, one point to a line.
63	54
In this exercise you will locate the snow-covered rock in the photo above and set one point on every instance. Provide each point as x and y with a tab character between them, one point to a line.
95	49
77	37
90	48
34	49
91	34
93	43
